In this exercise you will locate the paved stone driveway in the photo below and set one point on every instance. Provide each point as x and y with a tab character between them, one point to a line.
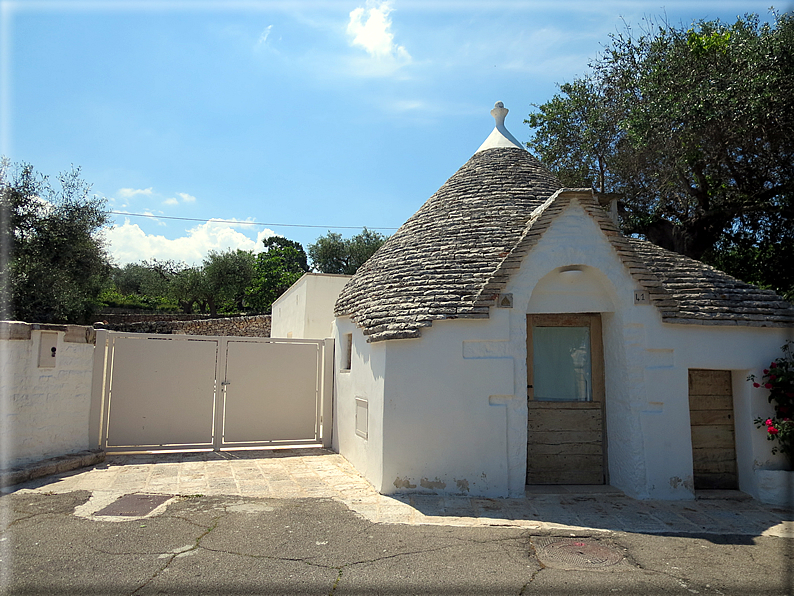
306	473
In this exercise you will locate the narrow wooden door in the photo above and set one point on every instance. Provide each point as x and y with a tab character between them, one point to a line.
565	400
713	437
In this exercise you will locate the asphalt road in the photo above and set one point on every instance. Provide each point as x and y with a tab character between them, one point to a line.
230	545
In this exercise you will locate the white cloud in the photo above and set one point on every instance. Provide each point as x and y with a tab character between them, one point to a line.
153	217
128	243
265	35
171	201
186	198
131	192
370	28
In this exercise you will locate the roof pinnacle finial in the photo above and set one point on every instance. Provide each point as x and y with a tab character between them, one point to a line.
500	136
499	113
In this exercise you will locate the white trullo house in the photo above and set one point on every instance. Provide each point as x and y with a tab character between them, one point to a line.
509	334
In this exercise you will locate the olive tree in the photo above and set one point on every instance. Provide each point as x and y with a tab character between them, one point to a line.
333	254
53	260
694	128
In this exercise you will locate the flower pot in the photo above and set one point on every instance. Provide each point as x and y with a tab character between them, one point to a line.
775	487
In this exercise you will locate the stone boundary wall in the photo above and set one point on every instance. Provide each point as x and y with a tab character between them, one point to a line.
251	326
44	404
114	318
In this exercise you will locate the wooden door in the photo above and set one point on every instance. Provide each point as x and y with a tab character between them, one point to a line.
713	437
565	400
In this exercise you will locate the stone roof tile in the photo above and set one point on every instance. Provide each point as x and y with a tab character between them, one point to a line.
452	247
454	256
706	295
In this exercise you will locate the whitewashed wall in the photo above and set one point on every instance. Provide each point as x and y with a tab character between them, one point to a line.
306	309
363	380
44	412
606	287
453	402
742	350
646	361
448	410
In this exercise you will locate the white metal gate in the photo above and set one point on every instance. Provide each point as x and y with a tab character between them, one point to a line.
179	392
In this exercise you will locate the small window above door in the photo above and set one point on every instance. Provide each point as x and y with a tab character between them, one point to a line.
562	364
564	358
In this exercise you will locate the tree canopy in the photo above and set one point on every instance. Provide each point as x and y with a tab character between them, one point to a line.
54	267
333	254
232	281
227	275
280	265
53	262
694	128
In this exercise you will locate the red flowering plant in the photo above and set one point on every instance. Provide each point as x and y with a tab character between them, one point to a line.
778	379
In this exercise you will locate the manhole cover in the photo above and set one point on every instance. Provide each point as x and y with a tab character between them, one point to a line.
576	553
134	505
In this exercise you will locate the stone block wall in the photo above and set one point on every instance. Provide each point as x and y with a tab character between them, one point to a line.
44	411
250	326
110	317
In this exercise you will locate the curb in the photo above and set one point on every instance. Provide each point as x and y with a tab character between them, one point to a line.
54	465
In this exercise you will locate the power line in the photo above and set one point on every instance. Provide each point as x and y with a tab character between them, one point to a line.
248	223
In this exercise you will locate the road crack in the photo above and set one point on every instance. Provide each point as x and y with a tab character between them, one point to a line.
182	551
531	579
682	580
336	581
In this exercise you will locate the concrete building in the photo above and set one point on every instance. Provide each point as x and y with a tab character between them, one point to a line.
305	310
508	334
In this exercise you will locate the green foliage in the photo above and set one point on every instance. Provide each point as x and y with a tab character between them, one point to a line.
695	128
53	261
759	252
188	287
142	286
280	265
111	297
141	279
227	275
226	282
298	258
573	135
333	254
702	43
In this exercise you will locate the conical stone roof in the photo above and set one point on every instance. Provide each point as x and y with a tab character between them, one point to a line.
444	262
452	257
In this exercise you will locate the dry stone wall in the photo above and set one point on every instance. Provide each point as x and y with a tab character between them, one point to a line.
251	326
112	318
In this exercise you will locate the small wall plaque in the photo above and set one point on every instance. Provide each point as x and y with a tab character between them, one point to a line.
48	346
505	301
641	297
362	417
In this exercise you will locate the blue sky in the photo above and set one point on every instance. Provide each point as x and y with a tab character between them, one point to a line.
323	114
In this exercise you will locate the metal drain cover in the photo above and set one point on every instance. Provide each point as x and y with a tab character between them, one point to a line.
135	505
576	553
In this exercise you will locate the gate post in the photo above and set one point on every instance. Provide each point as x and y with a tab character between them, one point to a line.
327	388
220	394
98	379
